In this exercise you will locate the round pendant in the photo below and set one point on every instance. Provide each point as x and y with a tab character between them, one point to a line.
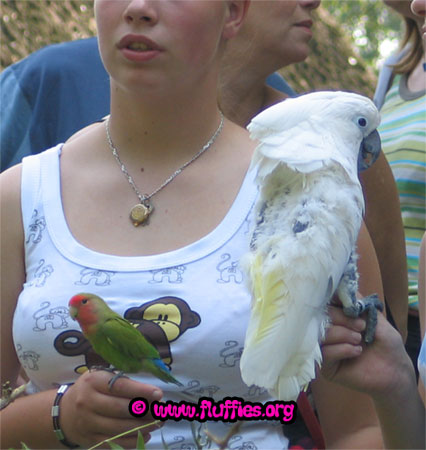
140	213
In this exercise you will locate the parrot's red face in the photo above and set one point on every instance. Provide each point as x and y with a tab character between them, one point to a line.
82	307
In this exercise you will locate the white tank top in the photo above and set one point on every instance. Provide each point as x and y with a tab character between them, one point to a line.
192	302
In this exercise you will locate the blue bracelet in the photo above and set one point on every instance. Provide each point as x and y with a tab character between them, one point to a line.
55	417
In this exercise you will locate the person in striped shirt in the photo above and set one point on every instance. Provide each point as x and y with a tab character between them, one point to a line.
403	135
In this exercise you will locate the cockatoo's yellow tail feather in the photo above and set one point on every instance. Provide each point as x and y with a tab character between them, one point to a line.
268	290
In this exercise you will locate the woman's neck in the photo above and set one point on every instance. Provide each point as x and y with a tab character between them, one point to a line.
238	100
416	81
243	92
159	126
243	96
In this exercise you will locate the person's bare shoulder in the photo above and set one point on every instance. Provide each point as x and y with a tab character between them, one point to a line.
82	132
12	241
10	192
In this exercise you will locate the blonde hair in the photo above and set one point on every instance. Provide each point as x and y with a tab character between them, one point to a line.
413	40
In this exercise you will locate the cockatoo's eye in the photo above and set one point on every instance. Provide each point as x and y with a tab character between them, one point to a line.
362	122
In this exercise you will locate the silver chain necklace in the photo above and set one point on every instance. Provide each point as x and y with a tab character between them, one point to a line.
140	213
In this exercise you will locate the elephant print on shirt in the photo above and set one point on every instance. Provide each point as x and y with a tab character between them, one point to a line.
195	388
96	277
36	228
231	354
229	271
54	317
42	272
171	275
28	358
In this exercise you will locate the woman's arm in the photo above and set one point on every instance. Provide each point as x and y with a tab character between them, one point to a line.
89	414
382	370
348	418
13	270
384	223
12	266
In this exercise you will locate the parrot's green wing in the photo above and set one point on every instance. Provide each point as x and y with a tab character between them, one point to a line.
122	345
127	339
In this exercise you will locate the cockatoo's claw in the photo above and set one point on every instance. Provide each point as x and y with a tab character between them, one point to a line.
115	378
354	310
370	305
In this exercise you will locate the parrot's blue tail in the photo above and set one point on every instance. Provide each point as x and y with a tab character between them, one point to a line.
160	370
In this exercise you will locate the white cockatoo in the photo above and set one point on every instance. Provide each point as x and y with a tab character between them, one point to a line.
308	216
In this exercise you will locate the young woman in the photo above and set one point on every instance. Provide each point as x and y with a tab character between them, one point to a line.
384	370
401	93
68	226
275	34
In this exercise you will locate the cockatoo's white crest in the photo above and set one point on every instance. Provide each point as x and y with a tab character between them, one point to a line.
308	216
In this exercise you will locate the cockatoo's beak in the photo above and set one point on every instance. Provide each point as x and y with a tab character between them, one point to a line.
369	151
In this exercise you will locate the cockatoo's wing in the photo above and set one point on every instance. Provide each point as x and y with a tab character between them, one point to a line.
302	149
298	133
299	253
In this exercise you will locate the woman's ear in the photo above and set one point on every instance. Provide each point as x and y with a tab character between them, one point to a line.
237	10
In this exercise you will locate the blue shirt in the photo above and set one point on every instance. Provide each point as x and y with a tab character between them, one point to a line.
54	92
48	96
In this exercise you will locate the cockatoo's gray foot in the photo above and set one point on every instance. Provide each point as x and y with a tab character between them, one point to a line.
370	305
354	307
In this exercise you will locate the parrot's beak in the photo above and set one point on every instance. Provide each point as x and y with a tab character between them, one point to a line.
73	312
369	151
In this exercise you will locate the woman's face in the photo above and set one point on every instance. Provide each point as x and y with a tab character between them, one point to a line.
281	29
149	42
418	7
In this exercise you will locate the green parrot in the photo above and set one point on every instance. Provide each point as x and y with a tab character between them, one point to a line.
116	339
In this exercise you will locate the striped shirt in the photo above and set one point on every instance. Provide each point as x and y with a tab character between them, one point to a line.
403	134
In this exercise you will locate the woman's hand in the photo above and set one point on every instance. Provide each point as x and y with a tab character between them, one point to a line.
91	413
377	369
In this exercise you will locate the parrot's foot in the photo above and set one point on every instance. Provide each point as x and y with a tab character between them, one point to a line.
370	305
117	375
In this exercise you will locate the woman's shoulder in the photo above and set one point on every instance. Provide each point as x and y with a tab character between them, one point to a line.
84	132
10	188
238	138
12	234
75	151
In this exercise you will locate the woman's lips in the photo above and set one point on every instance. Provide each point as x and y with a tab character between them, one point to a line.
306	26
138	48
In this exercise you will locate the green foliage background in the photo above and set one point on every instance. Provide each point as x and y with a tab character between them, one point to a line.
368	22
